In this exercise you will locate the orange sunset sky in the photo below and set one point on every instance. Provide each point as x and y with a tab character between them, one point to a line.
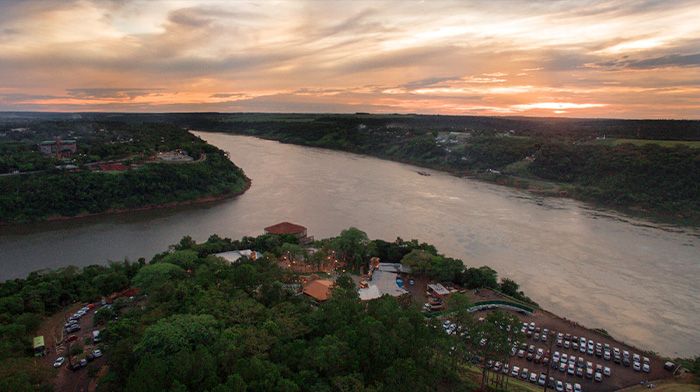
623	59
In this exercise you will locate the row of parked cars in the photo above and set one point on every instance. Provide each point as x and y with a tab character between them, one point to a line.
96	353
604	351
539	379
73	323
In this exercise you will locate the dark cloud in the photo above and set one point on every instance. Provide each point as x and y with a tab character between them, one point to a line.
227	95
428	82
667	61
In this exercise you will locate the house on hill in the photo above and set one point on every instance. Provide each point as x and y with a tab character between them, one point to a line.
290	229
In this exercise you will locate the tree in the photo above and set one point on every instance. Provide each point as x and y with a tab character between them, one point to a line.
509	287
155	275
351	245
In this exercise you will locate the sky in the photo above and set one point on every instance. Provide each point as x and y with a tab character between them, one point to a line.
614	59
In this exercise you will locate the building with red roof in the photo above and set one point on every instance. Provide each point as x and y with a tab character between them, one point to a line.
290	229
319	289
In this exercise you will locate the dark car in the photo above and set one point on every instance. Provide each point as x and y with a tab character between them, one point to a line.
75	367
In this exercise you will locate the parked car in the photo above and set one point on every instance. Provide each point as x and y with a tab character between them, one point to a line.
646	368
521	353
560	386
571	371
542	380
569	387
83	362
562	367
636	366
598	377
525	374
59	362
97	352
579	372
515	372
577	388
607	371
533	377
669	366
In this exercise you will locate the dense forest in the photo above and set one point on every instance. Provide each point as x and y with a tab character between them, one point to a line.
202	324
48	191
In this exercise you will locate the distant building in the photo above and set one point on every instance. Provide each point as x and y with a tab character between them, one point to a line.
58	148
290	229
176	156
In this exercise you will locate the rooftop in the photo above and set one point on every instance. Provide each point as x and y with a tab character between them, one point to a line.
285	228
319	289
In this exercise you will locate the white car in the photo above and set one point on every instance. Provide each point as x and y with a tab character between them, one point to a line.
533	377
607	371
569	388
636	367
646	368
59	362
515	372
560	386
97	353
577	388
598	377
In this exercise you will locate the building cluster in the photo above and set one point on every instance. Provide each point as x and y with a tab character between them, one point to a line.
58	148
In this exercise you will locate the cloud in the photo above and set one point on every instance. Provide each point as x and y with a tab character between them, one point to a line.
667	61
111	93
638	57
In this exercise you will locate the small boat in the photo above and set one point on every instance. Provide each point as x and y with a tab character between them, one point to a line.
422	173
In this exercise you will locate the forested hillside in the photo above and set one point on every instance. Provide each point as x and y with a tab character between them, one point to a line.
200	323
115	168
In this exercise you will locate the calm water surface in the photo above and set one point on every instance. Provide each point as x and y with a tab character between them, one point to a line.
637	280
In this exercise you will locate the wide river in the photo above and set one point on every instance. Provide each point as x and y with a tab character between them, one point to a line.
637	280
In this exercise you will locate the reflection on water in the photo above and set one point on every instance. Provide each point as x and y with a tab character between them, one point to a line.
635	279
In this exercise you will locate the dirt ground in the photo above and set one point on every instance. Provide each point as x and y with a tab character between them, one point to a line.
67	380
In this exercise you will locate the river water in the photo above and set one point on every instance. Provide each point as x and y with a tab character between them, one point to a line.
637	280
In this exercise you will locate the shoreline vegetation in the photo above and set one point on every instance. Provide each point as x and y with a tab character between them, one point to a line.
117	168
198	201
194	321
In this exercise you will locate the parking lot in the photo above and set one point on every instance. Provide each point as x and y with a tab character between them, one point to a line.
573	363
54	330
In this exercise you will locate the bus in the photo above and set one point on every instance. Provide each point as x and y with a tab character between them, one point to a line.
39	348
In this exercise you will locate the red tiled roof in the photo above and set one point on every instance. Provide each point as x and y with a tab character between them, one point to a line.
319	290
285	228
112	167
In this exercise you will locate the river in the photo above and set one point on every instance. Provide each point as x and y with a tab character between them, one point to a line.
636	279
